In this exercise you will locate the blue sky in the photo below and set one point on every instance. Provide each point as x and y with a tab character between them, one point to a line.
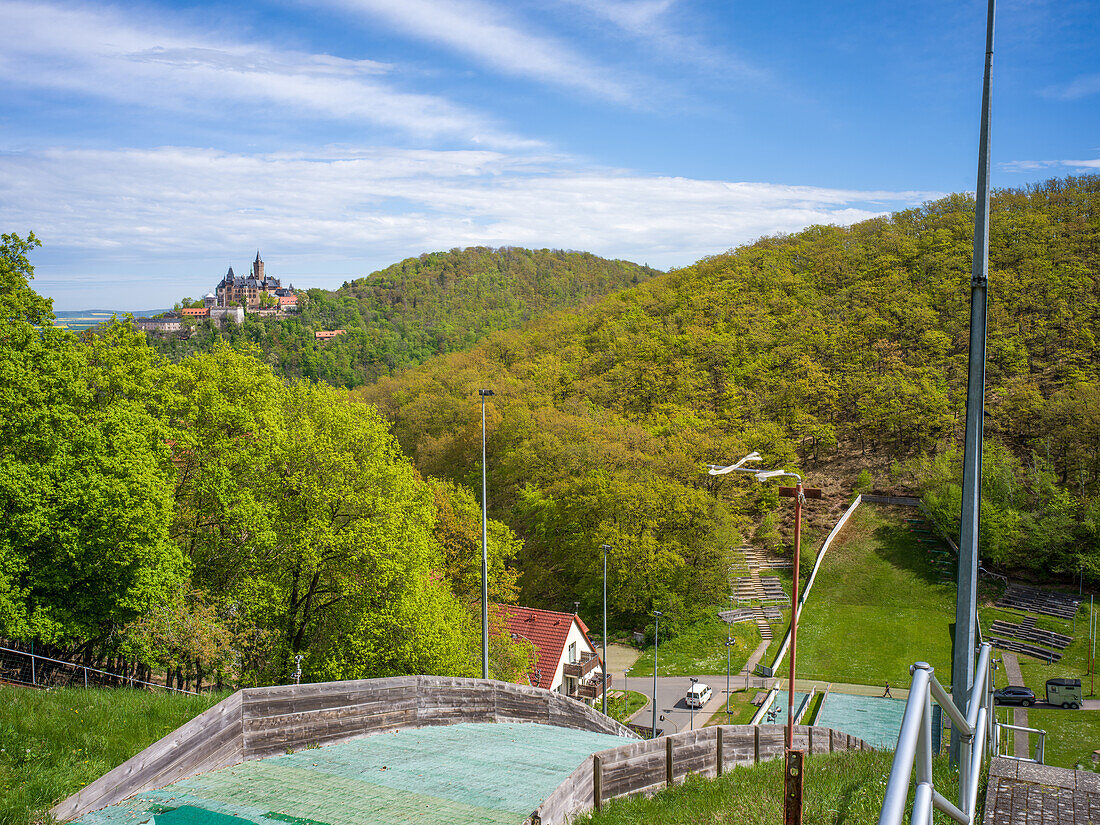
152	145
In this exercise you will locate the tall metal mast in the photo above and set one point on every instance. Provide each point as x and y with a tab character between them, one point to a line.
966	605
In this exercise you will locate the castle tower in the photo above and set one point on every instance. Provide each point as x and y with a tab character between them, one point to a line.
258	268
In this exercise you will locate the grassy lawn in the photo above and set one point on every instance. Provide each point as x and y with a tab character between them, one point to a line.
876	607
701	649
814	708
1074	661
840	789
741	709
1072	735
622	708
54	742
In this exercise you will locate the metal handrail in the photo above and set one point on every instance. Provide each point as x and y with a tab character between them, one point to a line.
977	729
1040	744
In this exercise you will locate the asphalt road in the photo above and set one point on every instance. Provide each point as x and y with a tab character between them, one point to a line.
671	691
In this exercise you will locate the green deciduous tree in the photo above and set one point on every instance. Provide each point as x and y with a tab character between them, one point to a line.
85	476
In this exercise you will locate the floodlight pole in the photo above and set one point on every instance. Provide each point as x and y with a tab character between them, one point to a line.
484	547
729	644
656	624
966	602
792	792
603	668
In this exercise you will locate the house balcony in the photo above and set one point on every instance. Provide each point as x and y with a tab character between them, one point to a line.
579	670
590	688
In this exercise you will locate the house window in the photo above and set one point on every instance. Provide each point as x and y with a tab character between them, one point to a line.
572	652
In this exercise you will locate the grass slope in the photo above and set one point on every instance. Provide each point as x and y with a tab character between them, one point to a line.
840	789
700	649
876	607
53	743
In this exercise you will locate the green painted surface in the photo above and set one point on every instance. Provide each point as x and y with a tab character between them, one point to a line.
466	773
874	719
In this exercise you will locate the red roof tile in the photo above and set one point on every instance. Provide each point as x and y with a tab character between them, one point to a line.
547	630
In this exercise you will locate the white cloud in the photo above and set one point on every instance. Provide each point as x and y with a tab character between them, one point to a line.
658	24
487	34
1035	165
104	54
116	210
1083	86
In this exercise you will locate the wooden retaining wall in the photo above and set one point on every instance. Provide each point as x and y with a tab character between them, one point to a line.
648	766
258	722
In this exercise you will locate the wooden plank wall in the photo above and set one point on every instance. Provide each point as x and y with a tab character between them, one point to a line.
258	722
642	767
290	717
211	740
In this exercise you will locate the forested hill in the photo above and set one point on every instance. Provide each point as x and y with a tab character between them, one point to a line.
437	303
827	343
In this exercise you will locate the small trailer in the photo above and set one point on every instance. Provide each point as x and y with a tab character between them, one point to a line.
1064	692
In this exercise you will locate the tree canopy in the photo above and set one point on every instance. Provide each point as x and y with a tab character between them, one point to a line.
421	307
806	347
212	519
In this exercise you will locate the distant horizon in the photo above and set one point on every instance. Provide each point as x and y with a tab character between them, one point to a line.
150	146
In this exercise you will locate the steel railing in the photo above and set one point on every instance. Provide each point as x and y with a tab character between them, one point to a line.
1040	744
979	734
914	747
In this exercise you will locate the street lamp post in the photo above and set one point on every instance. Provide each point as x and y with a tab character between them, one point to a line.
792	798
605	548
484	547
626	696
691	724
729	644
656	624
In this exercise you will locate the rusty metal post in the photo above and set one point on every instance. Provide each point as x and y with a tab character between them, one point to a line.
792	797
794	612
792	788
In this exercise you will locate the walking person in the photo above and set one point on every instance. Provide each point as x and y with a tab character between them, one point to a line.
886	693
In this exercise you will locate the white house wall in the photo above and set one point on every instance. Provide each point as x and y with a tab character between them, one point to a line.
575	635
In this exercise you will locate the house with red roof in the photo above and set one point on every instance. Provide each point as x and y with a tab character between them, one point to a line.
565	659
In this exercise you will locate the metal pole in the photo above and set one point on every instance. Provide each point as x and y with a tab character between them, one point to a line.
484	548
1092	655
966	604
727	681
605	548
793	776
794	612
656	625
691	724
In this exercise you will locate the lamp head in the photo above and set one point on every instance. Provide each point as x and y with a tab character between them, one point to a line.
764	475
484	393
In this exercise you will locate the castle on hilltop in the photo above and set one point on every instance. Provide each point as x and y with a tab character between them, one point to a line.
247	292
258	294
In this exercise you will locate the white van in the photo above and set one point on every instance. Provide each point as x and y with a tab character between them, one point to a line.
698	695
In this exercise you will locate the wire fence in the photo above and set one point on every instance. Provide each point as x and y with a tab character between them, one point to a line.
22	668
